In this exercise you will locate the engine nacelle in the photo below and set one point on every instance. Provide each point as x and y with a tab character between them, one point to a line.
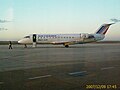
99	36
84	35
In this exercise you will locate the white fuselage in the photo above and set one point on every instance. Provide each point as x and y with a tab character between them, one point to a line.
65	39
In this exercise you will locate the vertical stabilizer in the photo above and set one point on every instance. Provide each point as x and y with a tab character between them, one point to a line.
103	29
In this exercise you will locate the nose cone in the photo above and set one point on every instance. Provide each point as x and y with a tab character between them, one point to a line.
25	41
22	41
19	41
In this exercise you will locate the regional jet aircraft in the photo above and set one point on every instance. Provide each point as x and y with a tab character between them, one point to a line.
65	39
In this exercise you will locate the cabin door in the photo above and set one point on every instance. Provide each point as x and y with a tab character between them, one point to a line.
34	37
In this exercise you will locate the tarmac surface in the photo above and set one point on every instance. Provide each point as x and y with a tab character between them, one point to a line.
52	67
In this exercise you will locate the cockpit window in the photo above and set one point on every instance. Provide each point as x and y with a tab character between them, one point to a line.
27	37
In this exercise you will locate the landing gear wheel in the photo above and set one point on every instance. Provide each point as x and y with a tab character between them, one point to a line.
66	46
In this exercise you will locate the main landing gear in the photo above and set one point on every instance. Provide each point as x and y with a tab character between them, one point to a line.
66	45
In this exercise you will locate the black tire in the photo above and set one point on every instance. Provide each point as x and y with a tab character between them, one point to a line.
66	46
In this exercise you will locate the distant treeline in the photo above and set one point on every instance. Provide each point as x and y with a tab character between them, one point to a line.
107	42
15	42
7	42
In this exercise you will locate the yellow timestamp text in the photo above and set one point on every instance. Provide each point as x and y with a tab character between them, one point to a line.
92	86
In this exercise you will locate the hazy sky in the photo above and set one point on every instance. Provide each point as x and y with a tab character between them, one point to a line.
57	16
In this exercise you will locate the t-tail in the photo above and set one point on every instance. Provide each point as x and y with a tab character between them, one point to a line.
103	29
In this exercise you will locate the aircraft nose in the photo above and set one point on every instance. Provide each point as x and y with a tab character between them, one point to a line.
19	41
